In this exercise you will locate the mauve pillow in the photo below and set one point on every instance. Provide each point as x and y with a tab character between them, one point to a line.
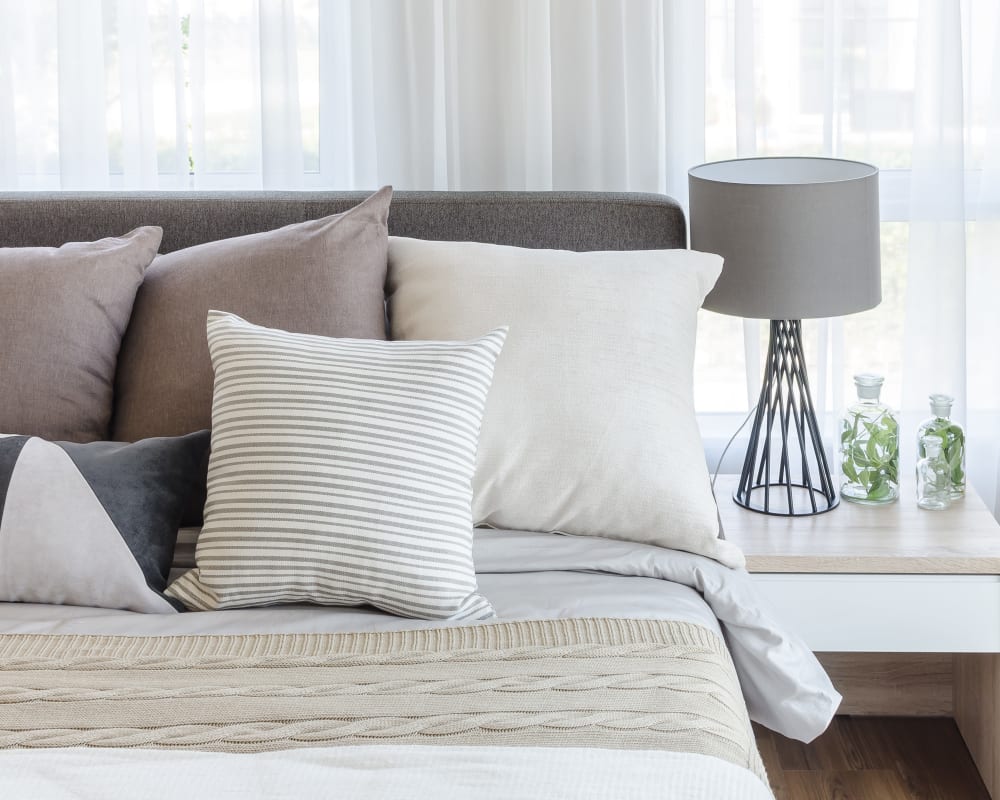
323	277
63	311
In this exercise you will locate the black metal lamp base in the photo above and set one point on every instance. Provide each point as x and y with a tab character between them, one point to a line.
790	477
776	504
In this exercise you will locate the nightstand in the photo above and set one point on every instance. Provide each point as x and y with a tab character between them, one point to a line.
901	604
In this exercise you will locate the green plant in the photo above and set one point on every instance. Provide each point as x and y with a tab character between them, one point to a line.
870	449
952	447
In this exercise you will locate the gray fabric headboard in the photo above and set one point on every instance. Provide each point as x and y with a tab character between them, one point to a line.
561	220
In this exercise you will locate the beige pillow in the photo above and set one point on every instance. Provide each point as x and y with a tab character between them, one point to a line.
63	311
323	277
590	426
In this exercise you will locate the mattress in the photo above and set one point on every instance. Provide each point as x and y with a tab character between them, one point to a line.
529	577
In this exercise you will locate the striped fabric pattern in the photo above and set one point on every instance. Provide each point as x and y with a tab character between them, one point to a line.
341	473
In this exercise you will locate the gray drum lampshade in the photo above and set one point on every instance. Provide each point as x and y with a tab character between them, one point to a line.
800	236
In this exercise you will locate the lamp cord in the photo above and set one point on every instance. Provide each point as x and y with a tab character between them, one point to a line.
732	439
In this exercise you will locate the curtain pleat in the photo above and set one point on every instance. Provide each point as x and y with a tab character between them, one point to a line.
83	135
935	323
336	107
8	130
982	278
140	165
281	161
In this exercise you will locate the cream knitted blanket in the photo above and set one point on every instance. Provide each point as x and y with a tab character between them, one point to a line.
608	683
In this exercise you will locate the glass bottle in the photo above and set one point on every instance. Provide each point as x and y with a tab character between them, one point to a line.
933	475
952	438
869	447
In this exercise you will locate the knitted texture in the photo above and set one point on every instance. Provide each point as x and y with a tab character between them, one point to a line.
609	683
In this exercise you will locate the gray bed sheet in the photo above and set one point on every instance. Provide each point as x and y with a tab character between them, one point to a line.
542	576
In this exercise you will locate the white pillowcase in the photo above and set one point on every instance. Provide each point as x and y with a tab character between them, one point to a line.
341	473
590	426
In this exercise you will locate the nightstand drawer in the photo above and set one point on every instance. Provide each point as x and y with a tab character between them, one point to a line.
888	613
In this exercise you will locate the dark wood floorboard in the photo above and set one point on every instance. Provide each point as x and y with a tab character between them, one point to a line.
874	758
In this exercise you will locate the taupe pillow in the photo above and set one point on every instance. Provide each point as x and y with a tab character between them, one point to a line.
63	311
322	277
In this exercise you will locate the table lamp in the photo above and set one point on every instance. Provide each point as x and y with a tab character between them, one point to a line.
800	239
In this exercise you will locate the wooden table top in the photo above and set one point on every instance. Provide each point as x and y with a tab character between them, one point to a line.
898	538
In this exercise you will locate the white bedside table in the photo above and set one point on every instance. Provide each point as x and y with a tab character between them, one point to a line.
903	605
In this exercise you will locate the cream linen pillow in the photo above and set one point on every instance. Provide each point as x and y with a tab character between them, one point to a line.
589	426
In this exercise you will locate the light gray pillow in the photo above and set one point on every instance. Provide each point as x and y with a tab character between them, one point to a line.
341	473
63	311
590	427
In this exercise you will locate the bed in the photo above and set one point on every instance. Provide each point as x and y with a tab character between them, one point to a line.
613	669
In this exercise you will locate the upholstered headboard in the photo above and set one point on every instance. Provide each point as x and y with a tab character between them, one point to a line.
562	220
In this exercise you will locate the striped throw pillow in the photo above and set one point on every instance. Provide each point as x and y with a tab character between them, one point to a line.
341	473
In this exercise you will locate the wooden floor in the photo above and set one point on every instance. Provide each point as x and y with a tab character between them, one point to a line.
874	758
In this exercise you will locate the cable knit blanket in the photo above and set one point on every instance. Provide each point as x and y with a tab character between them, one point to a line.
607	683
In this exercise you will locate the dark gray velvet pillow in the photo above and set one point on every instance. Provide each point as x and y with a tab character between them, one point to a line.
94	524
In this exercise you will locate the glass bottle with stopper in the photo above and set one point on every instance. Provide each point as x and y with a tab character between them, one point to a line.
869	446
933	475
952	438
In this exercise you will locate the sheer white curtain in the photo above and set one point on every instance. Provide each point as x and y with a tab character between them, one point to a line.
246	129
347	93
529	94
562	94
91	95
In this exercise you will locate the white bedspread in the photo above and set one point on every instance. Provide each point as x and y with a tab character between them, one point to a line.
538	576
378	773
